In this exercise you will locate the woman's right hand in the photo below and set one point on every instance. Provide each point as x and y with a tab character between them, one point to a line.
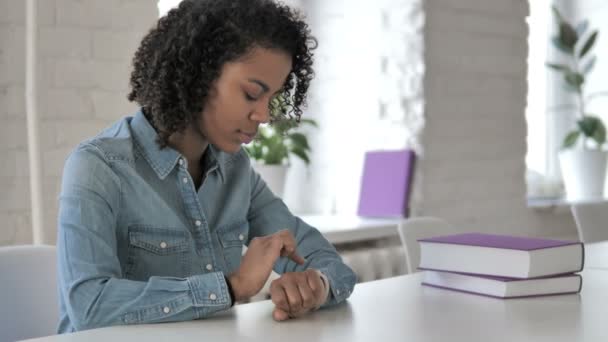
257	263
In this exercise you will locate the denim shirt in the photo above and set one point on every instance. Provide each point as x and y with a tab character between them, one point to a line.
138	243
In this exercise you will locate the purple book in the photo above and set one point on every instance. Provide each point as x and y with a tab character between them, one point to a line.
500	287
501	255
386	183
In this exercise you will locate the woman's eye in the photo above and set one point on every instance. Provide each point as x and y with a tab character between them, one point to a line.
249	97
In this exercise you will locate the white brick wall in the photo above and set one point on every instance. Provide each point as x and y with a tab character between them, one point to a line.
474	139
14	201
85	49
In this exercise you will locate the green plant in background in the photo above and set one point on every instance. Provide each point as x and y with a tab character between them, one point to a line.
275	142
576	44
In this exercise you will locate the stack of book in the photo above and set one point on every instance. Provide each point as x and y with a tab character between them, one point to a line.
502	266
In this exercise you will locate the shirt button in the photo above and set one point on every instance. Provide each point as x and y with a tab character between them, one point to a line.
209	267
181	161
338	292
166	309
197	223
241	237
185	180
212	296
163	245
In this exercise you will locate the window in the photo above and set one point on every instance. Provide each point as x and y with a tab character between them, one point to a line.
367	95
541	160
538	21
550	113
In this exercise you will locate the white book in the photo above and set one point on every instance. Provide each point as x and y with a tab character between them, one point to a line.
501	287
501	255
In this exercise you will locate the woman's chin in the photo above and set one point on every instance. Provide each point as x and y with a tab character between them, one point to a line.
229	148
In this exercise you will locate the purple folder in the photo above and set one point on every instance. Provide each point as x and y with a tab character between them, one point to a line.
386	183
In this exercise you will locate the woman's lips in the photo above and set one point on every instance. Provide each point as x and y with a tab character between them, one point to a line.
245	137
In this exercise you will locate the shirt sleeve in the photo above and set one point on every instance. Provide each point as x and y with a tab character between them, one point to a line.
91	285
268	214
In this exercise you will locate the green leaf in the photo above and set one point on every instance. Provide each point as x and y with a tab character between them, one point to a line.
563	48
593	127
589	65
588	125
567	35
556	13
574	79
301	154
299	141
581	28
571	139
277	140
588	44
600	134
310	122
559	67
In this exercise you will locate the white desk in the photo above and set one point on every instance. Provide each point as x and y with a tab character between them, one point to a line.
396	309
344	228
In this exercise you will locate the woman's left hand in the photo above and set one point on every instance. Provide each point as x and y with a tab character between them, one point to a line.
296	293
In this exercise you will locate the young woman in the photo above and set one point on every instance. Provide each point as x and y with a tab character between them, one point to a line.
155	210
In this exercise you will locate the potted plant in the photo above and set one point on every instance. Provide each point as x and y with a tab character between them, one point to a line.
582	158
275	143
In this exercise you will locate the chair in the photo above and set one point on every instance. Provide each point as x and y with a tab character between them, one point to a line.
416	228
591	221
28	292
592	224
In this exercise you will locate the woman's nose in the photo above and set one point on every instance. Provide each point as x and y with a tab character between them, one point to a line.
261	113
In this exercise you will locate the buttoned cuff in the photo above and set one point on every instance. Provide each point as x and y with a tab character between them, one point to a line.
210	290
338	290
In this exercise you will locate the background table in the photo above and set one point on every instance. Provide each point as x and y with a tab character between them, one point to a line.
349	228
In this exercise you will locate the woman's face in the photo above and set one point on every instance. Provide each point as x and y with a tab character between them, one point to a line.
239	100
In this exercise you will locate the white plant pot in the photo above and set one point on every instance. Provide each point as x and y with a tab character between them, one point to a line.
584	173
274	176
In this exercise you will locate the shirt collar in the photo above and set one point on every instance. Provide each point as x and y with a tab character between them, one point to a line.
215	159
163	160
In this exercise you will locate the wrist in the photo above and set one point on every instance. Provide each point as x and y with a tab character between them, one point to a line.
230	291
234	283
326	289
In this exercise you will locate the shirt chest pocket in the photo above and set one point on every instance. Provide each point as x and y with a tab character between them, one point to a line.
158	252
233	237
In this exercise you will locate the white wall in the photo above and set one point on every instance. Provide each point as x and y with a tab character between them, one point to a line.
85	49
475	134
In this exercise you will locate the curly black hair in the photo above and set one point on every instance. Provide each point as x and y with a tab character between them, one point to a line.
178	60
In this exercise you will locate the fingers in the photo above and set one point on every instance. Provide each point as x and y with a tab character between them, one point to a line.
294	298
278	295
287	296
288	244
296	258
316	285
309	300
295	294
280	315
